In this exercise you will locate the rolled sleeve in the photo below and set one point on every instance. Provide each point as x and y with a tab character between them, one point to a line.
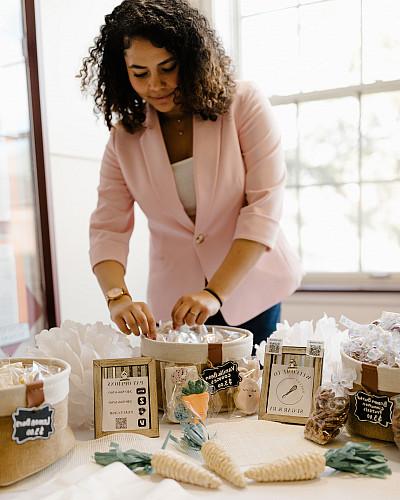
260	142
112	222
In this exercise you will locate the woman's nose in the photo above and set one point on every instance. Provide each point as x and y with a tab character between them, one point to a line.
155	82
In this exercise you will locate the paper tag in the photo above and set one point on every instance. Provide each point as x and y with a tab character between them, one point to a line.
373	409
274	346
30	424
315	348
222	377
125	403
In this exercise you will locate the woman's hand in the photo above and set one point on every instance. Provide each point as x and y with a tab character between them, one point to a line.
194	309
129	316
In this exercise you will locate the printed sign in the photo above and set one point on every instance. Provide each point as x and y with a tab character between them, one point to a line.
222	377
125	403
125	396
30	424
373	409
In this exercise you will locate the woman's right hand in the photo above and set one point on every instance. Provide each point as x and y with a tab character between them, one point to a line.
129	316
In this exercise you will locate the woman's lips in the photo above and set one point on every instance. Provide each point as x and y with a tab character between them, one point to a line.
162	98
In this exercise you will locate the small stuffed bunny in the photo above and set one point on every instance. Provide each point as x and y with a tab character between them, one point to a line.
247	396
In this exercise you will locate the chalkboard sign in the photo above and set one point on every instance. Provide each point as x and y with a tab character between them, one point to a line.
30	424
222	377
373	409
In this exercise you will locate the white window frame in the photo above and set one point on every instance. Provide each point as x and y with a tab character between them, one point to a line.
231	35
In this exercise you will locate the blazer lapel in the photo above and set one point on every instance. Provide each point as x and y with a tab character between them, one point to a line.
206	153
160	170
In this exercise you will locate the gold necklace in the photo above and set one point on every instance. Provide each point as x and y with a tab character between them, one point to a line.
174	123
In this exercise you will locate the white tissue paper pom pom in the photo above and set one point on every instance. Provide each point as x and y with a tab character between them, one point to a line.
79	345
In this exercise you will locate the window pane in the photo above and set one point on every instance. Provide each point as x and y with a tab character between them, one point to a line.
286	116
381	39
289	217
380	124
330	45
10	32
328	141
269	51
21	292
329	232
248	7
381	229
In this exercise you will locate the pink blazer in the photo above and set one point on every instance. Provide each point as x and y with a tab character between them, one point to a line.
239	175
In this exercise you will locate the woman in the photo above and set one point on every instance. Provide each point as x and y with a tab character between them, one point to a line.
202	157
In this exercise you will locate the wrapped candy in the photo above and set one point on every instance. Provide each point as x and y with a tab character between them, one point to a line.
331	409
377	343
17	373
197	334
396	420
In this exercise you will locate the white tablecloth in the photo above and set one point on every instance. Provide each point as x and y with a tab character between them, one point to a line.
249	441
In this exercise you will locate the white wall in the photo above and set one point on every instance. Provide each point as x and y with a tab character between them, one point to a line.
74	141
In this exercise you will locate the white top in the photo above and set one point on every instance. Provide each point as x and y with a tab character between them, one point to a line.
183	172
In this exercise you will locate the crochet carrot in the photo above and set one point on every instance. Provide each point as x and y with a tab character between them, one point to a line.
195	397
162	462
195	437
353	457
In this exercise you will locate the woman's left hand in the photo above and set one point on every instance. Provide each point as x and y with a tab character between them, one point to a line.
194	309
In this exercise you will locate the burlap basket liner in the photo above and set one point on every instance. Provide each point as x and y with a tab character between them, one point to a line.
18	461
373	380
200	355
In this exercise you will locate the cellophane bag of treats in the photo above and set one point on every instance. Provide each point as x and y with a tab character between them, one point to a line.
331	408
396	420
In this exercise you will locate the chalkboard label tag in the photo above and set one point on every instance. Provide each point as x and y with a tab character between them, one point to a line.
30	424
373	409
222	377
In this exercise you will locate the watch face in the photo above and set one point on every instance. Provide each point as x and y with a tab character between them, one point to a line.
114	293
290	390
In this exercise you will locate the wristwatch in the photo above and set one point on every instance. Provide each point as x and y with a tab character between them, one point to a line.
115	294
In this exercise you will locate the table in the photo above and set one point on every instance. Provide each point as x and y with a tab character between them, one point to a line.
330	486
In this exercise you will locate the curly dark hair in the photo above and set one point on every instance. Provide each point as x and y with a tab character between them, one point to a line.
206	84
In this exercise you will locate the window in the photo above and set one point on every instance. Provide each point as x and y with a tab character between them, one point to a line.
331	70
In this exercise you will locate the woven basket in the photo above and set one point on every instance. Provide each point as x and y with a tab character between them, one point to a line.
199	355
19	460
372	391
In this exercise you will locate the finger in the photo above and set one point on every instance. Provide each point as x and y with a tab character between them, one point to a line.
180	313
178	303
150	321
141	320
120	322
191	317
131	322
202	317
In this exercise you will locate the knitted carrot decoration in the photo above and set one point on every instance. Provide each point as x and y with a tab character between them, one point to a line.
162	462
195	437
195	397
353	457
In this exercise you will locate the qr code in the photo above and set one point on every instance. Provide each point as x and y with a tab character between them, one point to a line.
274	346
315	349
121	423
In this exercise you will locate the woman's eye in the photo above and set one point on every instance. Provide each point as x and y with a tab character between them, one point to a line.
168	70
139	75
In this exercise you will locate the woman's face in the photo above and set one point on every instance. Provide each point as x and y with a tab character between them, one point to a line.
153	74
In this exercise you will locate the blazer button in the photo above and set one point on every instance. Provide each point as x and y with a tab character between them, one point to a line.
199	238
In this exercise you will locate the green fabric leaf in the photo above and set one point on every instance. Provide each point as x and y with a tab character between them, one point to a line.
137	461
360	458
